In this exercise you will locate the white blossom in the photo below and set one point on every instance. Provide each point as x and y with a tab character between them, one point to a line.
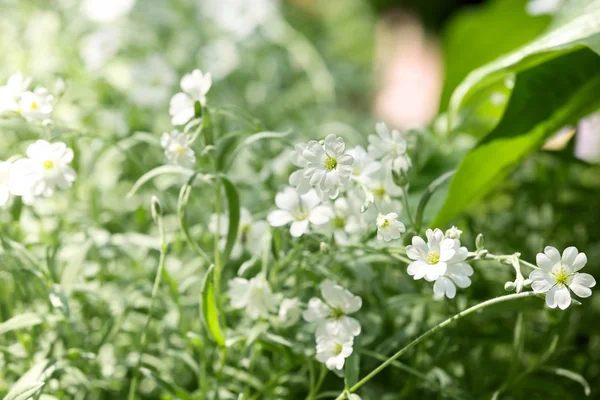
388	227
559	274
254	296
239	17
453	233
457	274
251	233
177	149
331	315
100	47
364	165
326	166
381	184
333	349
104	11
45	169
347	224
541	7
10	93
194	86
300	210
220	56
431	259
36	105
152	81
4	182
389	147
290	311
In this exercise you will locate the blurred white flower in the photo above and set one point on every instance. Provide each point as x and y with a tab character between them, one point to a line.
331	315
389	147
177	149
220	56
104	11
346	225
11	92
327	167
388	227
559	274
251	234
45	168
99	47
431	259
36	105
453	233
254	296
290	311
333	349
195	86
364	165
152	81
300	210
239	17
381	184
4	182
541	7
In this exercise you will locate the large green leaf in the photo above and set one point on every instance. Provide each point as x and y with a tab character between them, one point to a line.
546	98
579	25
233	206
209	309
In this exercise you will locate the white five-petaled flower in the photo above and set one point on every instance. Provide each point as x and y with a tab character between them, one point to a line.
431	258
11	92
254	296
300	210
195	86
326	166
331	315
177	149
45	168
36	105
364	165
333	349
4	182
389	147
559	274
152	80
290	311
388	227
346	223
251	233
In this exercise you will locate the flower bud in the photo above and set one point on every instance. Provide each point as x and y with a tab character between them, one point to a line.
479	242
324	247
156	209
400	178
509	286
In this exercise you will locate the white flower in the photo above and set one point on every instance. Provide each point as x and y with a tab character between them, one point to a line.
559	274
254	296
177	149
195	86
251	234
431	259
333	349
331	315
364	165
388	227
541	7
104	11
289	311
11	92
239	17
152	81
300	210
99	47
45	168
390	148
36	105
457	274
4	182
327	166
346	224
453	233
381	184
220	56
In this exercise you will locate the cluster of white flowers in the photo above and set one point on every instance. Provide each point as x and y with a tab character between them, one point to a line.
46	166
335	329
33	105
440	260
299	210
254	296
182	109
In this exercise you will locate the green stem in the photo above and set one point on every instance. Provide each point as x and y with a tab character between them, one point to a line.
157	279
427	195
407	206
430	332
217	238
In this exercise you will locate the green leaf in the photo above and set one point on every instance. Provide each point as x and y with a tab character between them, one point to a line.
254	138
24	392
233	205
169	387
26	320
545	99
209	309
352	367
580	27
31	382
153	173
571	375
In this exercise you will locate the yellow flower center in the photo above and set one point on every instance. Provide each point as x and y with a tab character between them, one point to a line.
339	222
337	349
34	105
48	164
433	258
386	223
379	192
561	277
179	150
337	313
330	163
